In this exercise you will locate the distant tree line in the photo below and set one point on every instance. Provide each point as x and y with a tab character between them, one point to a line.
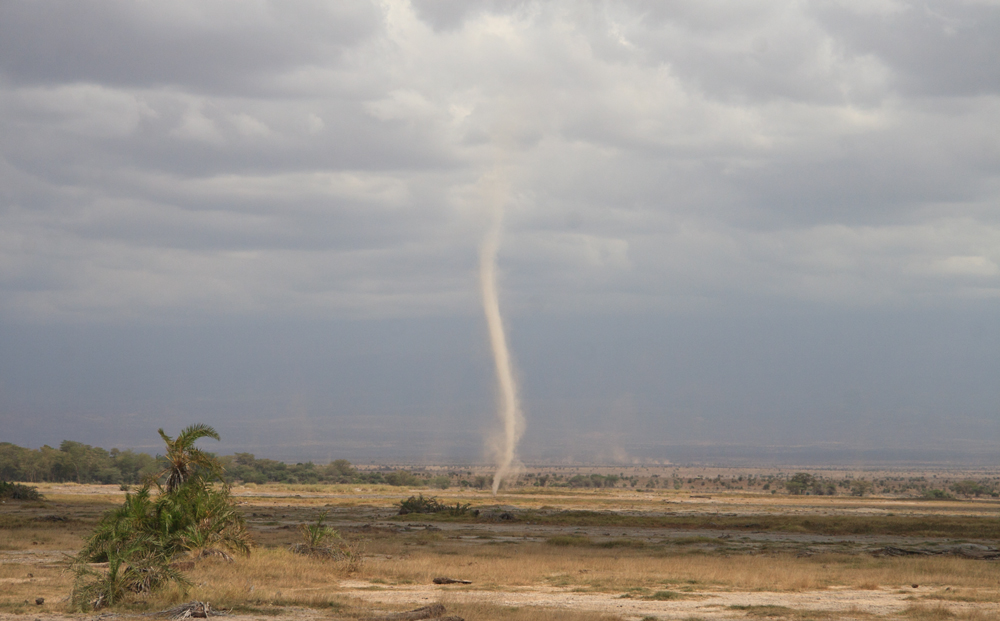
82	463
246	468
75	461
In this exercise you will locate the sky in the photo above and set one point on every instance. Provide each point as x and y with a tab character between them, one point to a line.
732	230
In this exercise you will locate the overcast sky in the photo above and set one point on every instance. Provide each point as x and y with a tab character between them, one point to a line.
760	225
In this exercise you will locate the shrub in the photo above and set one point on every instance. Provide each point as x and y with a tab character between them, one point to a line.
403	478
860	487
16	491
419	504
140	538
195	518
441	482
134	569
321	541
317	539
937	494
969	487
800	483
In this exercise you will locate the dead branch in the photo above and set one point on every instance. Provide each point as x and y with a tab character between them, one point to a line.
433	611
444	580
193	609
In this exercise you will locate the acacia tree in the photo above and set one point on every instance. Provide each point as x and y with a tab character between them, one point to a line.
184	459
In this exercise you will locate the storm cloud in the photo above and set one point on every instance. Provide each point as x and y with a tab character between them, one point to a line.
680	170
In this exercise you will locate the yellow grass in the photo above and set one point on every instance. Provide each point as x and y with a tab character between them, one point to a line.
22	583
941	613
500	566
640	567
24	539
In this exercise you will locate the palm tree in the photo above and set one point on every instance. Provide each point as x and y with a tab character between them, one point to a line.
185	459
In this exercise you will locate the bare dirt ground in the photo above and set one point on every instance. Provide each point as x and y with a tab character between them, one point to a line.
842	602
526	563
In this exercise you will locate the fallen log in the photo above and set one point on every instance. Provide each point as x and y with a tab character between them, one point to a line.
444	580
193	609
433	611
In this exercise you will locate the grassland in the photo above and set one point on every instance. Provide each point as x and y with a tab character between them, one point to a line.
540	553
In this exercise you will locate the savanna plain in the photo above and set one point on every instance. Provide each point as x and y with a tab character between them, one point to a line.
658	543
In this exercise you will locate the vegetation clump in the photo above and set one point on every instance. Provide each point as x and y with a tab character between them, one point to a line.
139	539
317	539
322	541
419	504
805	483
74	461
16	491
969	487
936	494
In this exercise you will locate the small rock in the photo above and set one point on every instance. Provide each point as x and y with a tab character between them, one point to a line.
915	585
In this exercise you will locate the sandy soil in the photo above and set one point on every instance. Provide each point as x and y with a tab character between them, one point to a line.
843	604
706	604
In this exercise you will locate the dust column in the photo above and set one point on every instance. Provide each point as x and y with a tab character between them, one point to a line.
509	409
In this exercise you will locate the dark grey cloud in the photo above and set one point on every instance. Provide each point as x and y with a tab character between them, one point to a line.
624	387
213	47
199	164
937	49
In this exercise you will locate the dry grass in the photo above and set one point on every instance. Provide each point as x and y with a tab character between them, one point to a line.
268	577
271	580
957	526
784	612
491	612
963	595
648	567
24	539
22	583
523	564
941	612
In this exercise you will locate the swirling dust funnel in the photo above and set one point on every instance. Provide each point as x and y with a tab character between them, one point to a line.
508	405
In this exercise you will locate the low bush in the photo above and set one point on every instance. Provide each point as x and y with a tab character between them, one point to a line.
16	491
139	539
441	482
321	541
419	504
